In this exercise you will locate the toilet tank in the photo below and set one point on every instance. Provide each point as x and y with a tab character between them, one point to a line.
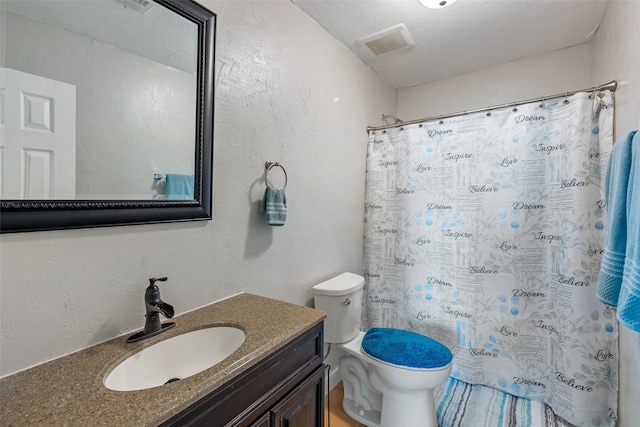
341	298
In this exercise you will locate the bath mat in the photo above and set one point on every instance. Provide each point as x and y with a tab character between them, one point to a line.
460	404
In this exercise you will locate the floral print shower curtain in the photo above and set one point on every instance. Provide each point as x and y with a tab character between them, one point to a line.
485	232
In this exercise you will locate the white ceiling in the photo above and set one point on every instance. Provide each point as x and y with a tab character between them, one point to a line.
466	36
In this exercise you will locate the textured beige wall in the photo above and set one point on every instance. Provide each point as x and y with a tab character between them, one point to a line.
555	72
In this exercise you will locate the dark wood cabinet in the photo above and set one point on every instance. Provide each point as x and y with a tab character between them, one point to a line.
303	407
285	389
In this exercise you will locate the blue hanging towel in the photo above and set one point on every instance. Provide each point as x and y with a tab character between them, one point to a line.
629	299
179	186
616	182
405	348
274	205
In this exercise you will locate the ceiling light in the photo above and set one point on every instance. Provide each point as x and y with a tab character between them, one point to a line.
437	4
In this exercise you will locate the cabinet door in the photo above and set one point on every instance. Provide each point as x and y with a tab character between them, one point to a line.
304	406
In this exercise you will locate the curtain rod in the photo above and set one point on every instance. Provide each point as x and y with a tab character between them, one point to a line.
612	85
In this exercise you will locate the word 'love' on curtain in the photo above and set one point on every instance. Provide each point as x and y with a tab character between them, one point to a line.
486	232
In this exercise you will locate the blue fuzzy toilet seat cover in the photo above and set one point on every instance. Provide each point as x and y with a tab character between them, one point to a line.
405	348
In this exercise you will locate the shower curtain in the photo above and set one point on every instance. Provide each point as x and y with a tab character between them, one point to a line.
486	232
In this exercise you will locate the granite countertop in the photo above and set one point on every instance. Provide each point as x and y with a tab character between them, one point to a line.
69	391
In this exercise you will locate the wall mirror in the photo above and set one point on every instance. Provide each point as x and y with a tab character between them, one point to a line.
106	113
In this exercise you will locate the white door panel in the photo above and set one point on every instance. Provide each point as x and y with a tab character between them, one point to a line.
38	144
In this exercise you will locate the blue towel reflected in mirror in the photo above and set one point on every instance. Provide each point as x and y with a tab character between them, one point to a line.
179	186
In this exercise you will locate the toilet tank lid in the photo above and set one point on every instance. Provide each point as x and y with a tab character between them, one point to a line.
342	284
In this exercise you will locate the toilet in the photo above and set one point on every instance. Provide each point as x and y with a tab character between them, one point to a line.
388	374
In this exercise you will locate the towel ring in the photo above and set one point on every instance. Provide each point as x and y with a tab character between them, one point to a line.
268	165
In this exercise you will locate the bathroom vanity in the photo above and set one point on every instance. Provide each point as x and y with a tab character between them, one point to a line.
286	388
275	378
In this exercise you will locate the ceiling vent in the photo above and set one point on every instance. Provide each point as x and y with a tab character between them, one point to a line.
388	40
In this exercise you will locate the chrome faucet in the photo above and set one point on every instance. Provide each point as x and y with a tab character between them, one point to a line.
154	306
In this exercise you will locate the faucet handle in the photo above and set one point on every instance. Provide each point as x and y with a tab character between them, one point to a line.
153	280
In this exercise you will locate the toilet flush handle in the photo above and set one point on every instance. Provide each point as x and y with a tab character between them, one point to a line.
347	301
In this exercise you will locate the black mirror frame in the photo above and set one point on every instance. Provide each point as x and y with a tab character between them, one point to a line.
39	215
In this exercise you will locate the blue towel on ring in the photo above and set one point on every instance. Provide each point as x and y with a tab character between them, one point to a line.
615	188
274	205
629	299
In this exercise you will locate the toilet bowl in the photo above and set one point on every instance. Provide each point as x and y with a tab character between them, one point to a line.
388	383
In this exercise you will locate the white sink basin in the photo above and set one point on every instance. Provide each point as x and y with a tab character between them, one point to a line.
178	357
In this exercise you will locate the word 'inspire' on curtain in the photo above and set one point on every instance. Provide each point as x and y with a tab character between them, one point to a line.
486	232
